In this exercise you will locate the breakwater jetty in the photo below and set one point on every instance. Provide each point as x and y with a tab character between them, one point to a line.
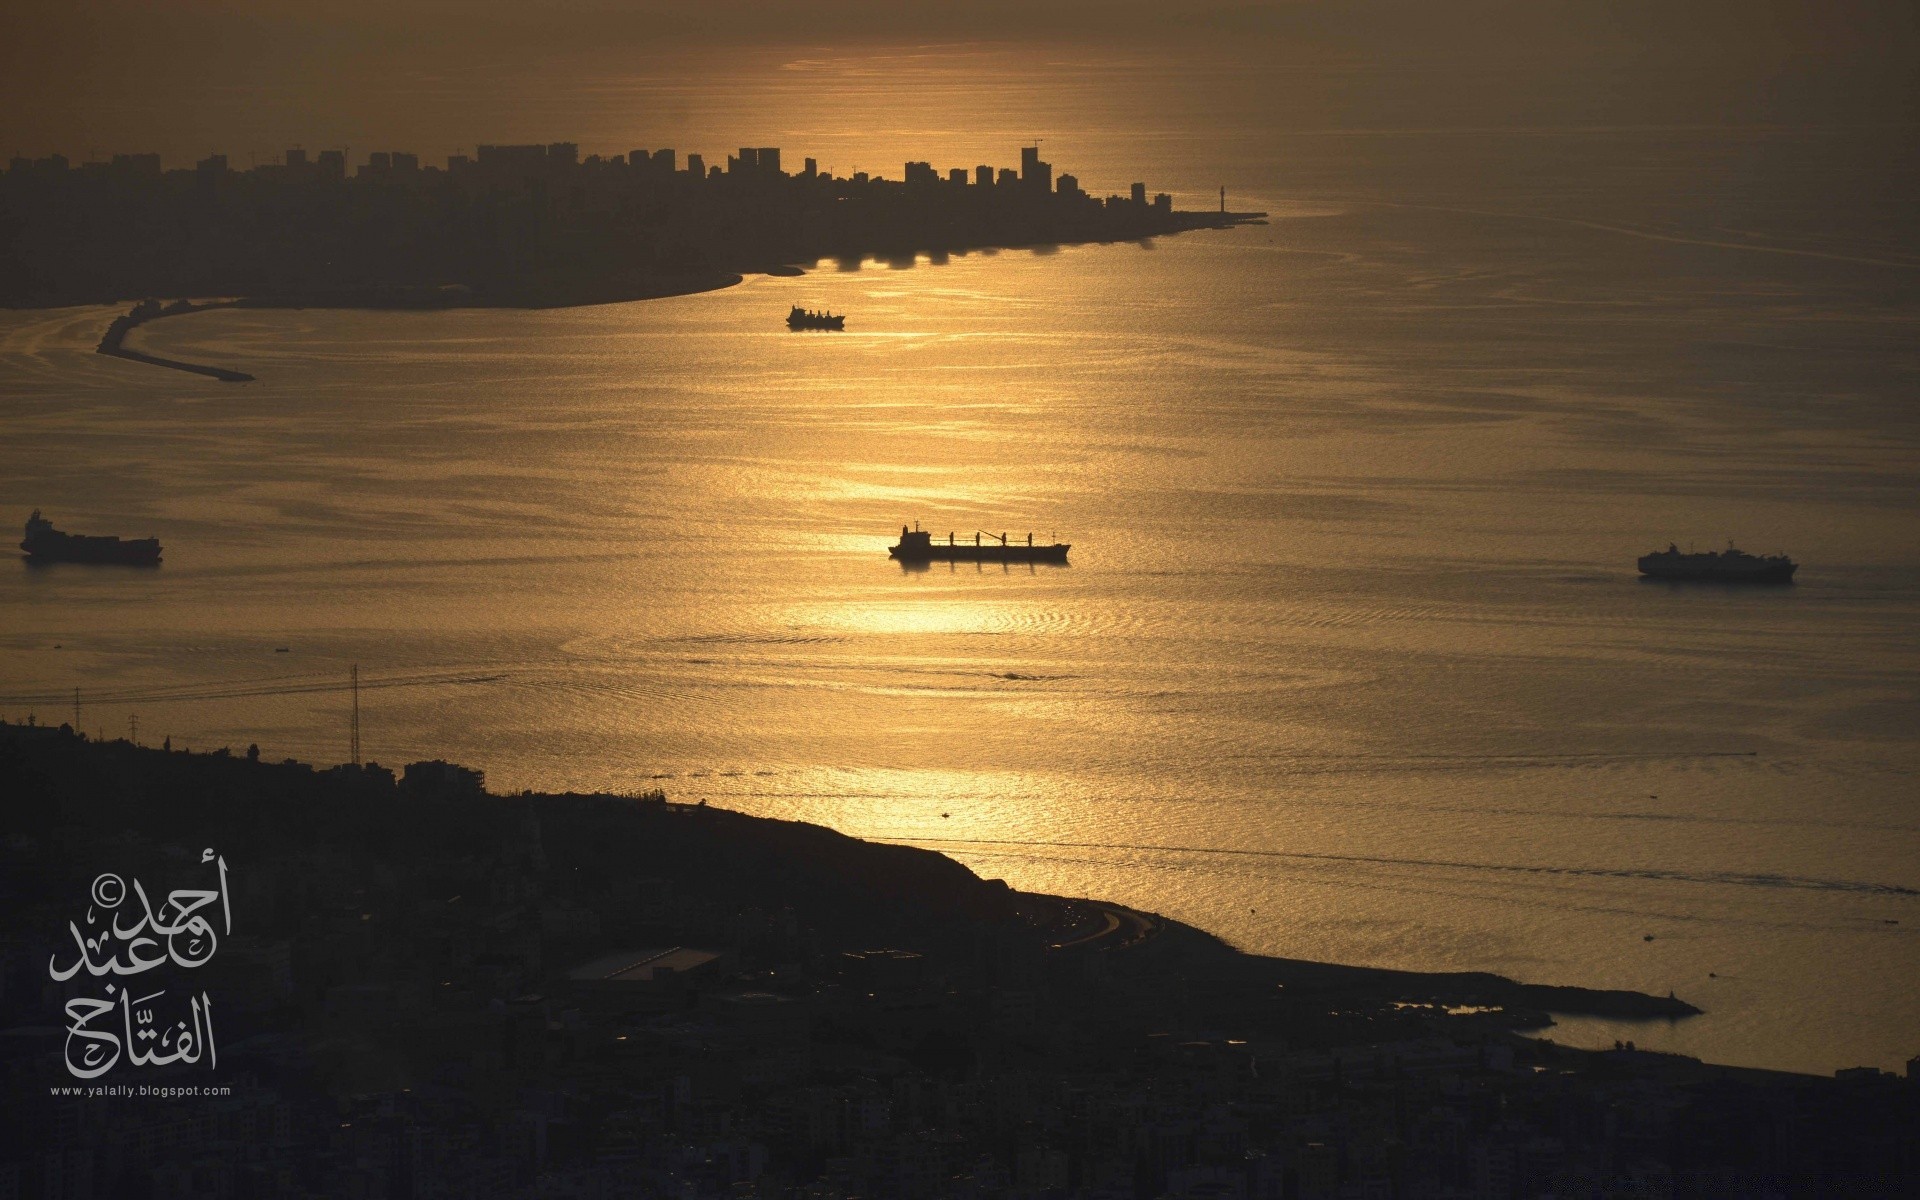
114	341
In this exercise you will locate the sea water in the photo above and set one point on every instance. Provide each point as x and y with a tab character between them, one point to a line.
1351	661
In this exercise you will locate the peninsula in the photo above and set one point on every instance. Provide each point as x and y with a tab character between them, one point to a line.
524	225
466	993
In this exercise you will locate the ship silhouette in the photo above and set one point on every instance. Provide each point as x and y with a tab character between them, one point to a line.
801	318
1724	566
44	543
918	546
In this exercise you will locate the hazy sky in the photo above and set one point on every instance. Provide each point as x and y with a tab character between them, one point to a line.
188	77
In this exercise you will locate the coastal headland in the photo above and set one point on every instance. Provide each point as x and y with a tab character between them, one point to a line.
520	225
694	1001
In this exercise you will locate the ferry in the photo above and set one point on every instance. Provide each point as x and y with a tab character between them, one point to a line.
1723	566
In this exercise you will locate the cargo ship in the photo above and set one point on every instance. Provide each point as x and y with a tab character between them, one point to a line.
801	318
44	543
1722	566
918	546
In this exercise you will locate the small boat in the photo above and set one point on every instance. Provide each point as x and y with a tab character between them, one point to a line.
44	543
918	546
801	318
1721	566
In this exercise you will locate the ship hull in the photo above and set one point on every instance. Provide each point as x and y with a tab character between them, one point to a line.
79	548
1056	553
839	323
1768	573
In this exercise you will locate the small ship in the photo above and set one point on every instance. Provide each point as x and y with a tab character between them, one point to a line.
1724	566
44	543
803	318
918	546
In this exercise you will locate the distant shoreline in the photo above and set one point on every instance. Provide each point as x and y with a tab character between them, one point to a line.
533	296
558	293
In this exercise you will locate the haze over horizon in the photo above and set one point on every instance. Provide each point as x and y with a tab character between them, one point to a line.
248	80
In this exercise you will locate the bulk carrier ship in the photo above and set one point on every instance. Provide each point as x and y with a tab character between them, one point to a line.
918	546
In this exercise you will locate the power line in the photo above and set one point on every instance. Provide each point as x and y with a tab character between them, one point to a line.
284	685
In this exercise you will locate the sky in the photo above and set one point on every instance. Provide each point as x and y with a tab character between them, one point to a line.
190	77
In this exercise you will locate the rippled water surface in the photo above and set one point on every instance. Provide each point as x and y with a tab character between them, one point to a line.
1351	661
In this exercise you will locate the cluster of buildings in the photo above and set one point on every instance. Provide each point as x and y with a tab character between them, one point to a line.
561	162
436	992
511	224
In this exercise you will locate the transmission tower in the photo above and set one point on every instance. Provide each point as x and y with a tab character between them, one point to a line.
354	679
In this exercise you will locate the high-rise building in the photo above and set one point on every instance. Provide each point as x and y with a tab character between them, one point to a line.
809	169
52	164
1009	178
519	162
296	158
957	177
1069	186
332	164
746	160
1140	194
663	161
920	174
768	159
696	166
1036	175
563	154
983	176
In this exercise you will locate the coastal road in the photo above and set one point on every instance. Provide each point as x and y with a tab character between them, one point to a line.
1112	928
